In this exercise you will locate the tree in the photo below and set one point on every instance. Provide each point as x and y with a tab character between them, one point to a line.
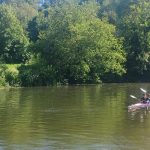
79	46
113	10
25	9
25	12
136	31
38	24
13	40
32	2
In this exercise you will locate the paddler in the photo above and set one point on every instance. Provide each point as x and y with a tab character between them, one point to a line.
146	98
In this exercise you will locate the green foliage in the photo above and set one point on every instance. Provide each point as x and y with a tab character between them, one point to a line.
25	12
13	40
113	10
2	75
26	75
33	2
78	45
36	75
136	31
12	75
33	29
37	24
73	41
9	75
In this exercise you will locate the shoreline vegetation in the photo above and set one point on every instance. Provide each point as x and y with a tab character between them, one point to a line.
70	42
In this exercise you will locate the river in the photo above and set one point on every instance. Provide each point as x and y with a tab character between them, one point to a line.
84	117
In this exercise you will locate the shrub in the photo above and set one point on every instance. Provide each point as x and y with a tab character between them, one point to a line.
36	75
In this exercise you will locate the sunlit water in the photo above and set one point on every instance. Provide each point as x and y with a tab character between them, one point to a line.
91	117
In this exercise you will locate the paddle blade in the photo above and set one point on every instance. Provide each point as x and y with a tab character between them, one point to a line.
133	96
143	90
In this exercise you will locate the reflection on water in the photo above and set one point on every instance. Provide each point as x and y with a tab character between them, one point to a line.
73	118
139	114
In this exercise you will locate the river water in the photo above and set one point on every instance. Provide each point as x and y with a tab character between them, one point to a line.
87	117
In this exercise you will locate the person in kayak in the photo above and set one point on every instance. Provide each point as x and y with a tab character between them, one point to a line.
146	98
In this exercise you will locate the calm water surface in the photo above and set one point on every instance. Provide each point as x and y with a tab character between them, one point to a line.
91	117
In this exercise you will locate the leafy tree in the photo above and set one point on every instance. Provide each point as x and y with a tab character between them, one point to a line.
33	29
25	12
136	31
13	45
79	46
20	1
113	10
25	9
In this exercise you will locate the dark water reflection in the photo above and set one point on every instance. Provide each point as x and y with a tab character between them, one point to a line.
73	118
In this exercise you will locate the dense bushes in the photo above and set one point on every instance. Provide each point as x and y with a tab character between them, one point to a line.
9	75
26	75
36	75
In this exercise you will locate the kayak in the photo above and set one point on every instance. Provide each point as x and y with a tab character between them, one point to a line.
139	106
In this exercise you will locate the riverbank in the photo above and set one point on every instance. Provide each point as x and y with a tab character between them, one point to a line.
25	75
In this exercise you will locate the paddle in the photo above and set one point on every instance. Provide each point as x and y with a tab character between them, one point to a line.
143	90
133	96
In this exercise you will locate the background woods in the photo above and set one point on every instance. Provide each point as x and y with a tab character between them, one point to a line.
70	41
